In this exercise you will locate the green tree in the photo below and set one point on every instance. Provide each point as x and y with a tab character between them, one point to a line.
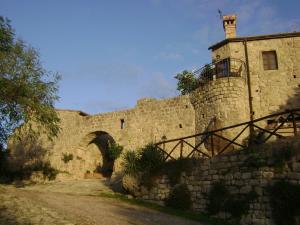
187	82
27	90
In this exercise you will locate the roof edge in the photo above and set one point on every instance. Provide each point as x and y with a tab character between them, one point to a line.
254	38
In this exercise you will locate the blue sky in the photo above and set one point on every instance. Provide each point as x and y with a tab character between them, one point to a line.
111	53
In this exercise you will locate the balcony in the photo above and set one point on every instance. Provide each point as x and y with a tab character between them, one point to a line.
224	68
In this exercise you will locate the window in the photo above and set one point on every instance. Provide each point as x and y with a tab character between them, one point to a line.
222	68
122	123
270	60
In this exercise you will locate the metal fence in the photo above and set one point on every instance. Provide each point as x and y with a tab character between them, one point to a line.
229	67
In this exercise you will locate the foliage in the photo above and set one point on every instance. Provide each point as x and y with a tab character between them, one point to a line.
146	163
285	201
114	151
67	157
3	162
255	160
151	161
26	171
27	90
130	163
187	82
238	205
174	168
179	198
221	200
217	197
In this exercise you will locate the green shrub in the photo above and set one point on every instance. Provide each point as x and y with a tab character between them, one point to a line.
285	202
67	157
255	160
174	168
238	205
150	163
217	197
114	151
221	200
179	197
130	163
146	163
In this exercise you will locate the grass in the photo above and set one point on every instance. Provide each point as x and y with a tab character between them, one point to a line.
205	219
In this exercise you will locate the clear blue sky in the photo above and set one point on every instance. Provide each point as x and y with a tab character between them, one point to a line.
111	53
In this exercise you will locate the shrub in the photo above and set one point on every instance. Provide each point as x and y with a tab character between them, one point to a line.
217	197
179	198
114	151
174	168
146	163
67	157
221	200
130	163
285	201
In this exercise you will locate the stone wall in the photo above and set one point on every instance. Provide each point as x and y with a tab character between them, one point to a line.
148	122
237	175
221	103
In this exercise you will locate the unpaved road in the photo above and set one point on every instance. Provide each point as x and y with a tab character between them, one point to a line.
55	205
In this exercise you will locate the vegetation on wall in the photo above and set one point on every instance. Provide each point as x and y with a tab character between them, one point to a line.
187	82
67	157
145	164
114	150
221	200
285	201
179	197
148	162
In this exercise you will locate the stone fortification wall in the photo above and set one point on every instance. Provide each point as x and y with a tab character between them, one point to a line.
148	122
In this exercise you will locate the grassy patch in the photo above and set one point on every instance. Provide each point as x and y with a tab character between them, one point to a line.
183	214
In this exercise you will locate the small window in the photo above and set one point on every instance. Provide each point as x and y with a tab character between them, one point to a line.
122	123
270	60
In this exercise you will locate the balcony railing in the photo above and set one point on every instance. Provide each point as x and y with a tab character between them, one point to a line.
228	67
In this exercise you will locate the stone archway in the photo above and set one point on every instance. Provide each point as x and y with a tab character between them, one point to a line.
95	146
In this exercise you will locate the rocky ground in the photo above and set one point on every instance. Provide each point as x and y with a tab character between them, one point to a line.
73	202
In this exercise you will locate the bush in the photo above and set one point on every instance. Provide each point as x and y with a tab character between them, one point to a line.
67	157
179	198
220	200
174	168
130	163
217	197
285	201
114	151
146	163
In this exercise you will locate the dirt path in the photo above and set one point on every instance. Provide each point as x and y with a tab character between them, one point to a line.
41	205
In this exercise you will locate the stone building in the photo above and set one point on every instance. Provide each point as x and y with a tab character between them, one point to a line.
228	94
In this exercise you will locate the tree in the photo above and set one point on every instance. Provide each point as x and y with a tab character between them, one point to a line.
187	82
27	90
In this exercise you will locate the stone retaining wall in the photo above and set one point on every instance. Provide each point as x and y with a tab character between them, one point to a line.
238	177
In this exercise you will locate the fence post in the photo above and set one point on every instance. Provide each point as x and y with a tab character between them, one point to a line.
294	124
212	145
181	148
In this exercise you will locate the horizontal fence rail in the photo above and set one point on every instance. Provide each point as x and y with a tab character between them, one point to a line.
231	138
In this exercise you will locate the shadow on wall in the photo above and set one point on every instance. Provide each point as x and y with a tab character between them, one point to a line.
27	157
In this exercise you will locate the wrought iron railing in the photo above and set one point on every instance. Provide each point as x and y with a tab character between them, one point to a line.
217	142
228	67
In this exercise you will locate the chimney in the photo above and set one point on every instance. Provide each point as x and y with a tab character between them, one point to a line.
229	24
